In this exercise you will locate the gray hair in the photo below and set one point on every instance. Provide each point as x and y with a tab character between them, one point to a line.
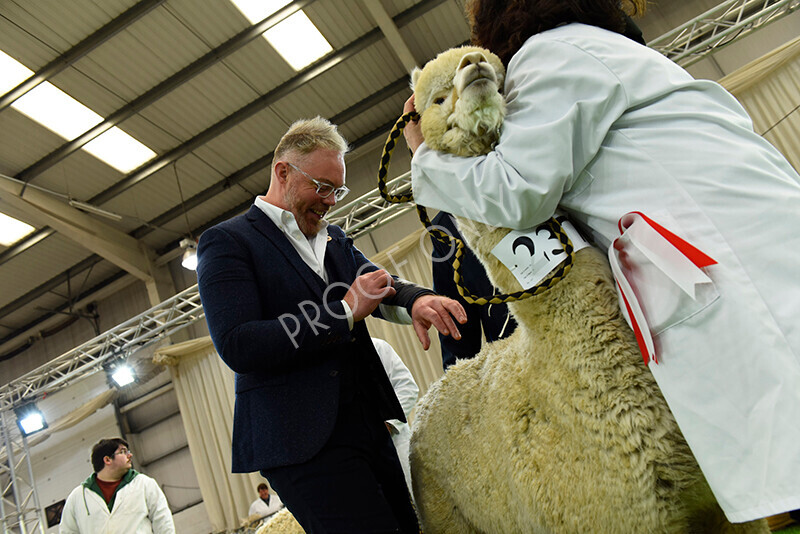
307	135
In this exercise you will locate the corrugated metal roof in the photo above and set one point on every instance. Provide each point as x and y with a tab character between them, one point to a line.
201	116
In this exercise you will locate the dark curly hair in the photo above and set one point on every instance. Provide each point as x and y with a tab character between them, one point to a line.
103	448
503	26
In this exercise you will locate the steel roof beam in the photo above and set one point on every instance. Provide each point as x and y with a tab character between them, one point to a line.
75	53
225	124
149	97
259	104
265	161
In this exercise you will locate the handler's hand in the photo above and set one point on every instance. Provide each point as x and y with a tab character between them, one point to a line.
413	131
437	311
367	291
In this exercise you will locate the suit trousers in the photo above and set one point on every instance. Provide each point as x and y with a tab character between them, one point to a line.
355	484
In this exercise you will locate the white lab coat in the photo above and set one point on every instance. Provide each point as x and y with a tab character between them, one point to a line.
140	507
601	126
262	509
407	392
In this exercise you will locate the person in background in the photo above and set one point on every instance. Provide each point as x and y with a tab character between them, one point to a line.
644	157
285	296
116	498
266	504
407	393
490	322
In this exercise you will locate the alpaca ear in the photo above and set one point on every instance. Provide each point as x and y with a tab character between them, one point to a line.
415	76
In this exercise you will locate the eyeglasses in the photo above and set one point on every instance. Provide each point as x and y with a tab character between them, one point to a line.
324	190
123	451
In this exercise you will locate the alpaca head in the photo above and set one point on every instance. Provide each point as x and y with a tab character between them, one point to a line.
458	96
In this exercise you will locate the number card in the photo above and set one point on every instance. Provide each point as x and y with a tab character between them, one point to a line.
531	254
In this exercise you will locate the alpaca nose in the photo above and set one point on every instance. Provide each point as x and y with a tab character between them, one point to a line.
472	58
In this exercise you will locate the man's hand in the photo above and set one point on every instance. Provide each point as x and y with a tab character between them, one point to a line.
413	131
367	291
436	311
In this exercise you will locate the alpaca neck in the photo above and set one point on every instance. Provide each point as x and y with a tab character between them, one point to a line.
583	301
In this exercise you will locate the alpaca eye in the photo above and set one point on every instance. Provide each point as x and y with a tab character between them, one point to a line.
439	100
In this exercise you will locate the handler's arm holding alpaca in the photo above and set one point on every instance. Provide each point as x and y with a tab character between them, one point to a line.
601	126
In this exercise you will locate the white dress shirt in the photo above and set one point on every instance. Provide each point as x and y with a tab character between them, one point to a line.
312	251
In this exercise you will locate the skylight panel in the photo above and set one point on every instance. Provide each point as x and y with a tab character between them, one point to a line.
258	10
296	38
119	150
298	41
12	230
57	111
12	73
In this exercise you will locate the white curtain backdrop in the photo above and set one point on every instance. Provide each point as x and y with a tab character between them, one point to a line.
769	88
204	387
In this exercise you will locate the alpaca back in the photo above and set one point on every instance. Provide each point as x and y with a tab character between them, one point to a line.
560	427
562	415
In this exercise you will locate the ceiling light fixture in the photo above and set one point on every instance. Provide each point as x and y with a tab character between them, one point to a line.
30	419
12	230
189	247
295	38
83	206
60	113
123	375
298	41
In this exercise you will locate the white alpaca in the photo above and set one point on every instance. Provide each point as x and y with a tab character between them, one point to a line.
282	522
561	427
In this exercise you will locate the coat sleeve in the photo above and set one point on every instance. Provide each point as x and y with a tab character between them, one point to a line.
407	292
562	101
158	509
443	283
235	314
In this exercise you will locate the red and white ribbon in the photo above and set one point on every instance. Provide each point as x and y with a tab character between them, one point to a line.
675	257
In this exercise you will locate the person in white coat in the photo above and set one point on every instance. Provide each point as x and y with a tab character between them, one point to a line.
116	499
266	504
648	159
407	393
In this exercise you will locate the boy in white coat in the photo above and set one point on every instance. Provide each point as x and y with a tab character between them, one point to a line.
116	498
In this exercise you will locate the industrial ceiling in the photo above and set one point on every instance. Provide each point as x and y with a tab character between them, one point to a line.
197	84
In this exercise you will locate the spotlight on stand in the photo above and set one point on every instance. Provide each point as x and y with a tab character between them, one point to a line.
30	419
122	375
189	247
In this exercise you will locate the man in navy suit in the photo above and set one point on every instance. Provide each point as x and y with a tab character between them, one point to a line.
285	295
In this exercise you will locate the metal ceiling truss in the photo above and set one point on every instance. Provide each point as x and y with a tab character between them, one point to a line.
359	217
20	510
155	324
719	27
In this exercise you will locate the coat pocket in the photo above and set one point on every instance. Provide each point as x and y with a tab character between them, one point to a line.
660	277
252	381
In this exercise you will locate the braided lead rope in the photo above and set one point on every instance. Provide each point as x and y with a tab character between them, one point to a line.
553	224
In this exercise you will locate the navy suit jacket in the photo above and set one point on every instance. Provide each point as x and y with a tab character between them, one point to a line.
492	321
284	333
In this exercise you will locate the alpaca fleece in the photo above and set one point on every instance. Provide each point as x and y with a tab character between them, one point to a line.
560	427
